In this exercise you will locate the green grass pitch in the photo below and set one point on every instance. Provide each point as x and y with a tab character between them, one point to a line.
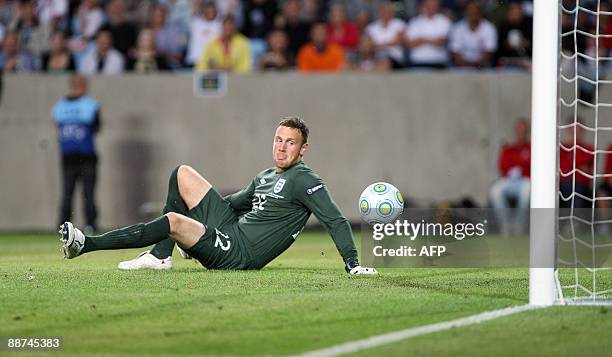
302	301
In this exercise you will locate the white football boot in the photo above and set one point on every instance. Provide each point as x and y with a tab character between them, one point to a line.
146	260
73	240
183	253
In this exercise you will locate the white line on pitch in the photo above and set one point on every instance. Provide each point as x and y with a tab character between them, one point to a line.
391	337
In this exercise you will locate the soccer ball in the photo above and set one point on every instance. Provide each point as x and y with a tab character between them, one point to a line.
380	202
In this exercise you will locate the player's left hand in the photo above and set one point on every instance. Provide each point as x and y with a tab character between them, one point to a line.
354	268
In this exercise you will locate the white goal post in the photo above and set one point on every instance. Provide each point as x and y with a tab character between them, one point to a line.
544	145
571	248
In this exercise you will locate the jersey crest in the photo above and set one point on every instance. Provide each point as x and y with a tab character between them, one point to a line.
278	187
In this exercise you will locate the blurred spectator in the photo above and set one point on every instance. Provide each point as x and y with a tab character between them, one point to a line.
408	9
361	12
313	10
258	22
78	121
205	27
52	13
137	12
582	23
33	36
454	9
426	37
179	13
104	59
367	58
587	66
277	56
123	33
340	30
387	33
145	58
58	59
259	18
514	47
575	154
320	55
7	9
85	24
229	52
514	168
497	11
604	193
170	40
231	7
567	63
13	59
88	20
605	26
291	23
592	66
473	40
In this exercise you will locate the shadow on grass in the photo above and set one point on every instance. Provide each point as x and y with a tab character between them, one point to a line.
467	289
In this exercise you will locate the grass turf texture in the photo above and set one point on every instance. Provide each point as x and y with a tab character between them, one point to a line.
300	302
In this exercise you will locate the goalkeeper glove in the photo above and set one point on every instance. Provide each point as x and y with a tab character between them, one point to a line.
354	268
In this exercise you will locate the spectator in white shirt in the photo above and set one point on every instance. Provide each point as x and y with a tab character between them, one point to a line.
473	40
387	33
51	12
104	59
179	13
89	18
85	24
426	37
205	27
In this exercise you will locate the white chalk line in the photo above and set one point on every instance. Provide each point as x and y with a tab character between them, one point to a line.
396	336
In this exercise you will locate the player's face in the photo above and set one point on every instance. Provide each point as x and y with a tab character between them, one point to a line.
288	148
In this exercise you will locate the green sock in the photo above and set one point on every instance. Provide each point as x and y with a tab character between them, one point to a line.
135	236
174	203
163	249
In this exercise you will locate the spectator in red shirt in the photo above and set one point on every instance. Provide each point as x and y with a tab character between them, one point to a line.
574	184
513	184
340	30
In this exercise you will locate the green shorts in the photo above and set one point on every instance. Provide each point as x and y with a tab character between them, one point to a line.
222	245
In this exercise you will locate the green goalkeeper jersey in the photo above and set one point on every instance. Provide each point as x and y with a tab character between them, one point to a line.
274	207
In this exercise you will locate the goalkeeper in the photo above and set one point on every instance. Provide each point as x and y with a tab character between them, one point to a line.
245	230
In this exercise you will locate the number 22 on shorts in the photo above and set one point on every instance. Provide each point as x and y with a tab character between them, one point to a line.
219	242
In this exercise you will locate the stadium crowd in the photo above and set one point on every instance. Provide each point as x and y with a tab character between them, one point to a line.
115	36
579	188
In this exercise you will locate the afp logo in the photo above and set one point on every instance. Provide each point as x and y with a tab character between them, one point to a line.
278	187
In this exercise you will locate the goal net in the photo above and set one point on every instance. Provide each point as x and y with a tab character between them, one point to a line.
583	271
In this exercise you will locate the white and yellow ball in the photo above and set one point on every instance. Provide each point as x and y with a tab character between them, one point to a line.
380	202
